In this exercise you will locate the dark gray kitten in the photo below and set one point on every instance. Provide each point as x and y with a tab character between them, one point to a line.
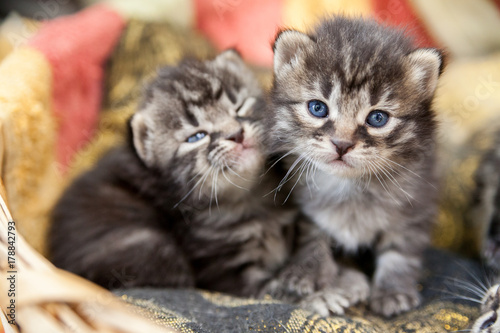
351	110
485	212
182	205
485	206
489	319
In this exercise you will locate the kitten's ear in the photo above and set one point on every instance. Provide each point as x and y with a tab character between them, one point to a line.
288	48
230	60
424	68
141	138
230	55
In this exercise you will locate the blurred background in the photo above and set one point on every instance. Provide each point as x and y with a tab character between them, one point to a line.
463	27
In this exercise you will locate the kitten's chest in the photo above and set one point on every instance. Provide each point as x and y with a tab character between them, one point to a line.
247	232
353	215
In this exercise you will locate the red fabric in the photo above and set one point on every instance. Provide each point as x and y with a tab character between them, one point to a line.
77	47
248	26
497	3
400	13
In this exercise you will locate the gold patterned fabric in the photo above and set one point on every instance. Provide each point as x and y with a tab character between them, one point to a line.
277	317
191	311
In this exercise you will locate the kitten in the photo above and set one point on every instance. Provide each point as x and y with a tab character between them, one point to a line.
489	321
351	111
485	210
181	205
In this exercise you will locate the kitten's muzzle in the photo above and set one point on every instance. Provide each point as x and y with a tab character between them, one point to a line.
342	147
237	137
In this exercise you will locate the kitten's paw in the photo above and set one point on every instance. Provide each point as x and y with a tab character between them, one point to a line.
389	303
349	288
331	301
299	280
355	285
289	288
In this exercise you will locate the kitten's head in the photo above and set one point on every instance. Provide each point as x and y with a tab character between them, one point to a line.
198	124
489	321
352	95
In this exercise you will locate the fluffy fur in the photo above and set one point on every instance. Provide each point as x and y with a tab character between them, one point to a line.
485	208
181	205
365	186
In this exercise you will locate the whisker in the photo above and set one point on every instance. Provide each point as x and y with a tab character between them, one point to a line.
397	172
225	176
466	285
204	179
193	188
235	173
297	181
216	198
279	159
308	176
287	177
381	183
470	288
369	179
211	195
480	283
394	181
458	296
197	175
412	172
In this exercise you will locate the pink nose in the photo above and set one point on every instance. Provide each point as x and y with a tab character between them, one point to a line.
236	137
342	147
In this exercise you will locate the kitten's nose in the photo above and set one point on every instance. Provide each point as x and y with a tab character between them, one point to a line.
342	147
236	137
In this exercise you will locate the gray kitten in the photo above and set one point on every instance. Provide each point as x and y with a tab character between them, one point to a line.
485	203
489	319
486	213
351	111
182	204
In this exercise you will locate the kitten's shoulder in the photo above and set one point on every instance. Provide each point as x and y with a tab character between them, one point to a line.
120	165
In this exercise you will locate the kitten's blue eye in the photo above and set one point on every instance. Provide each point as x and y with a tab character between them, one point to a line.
196	137
318	108
377	118
490	322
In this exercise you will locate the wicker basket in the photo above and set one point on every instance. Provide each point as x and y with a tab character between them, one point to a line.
47	299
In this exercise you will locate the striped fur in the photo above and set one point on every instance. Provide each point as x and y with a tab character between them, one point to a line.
485	202
381	194
485	212
163	211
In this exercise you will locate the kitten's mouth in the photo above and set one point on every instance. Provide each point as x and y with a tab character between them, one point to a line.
246	145
339	162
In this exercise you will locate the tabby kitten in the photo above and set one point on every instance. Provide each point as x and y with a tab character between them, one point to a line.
351	111
181	205
485	209
489	320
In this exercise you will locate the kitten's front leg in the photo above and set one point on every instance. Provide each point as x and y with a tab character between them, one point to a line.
349	288
394	286
310	268
314	280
